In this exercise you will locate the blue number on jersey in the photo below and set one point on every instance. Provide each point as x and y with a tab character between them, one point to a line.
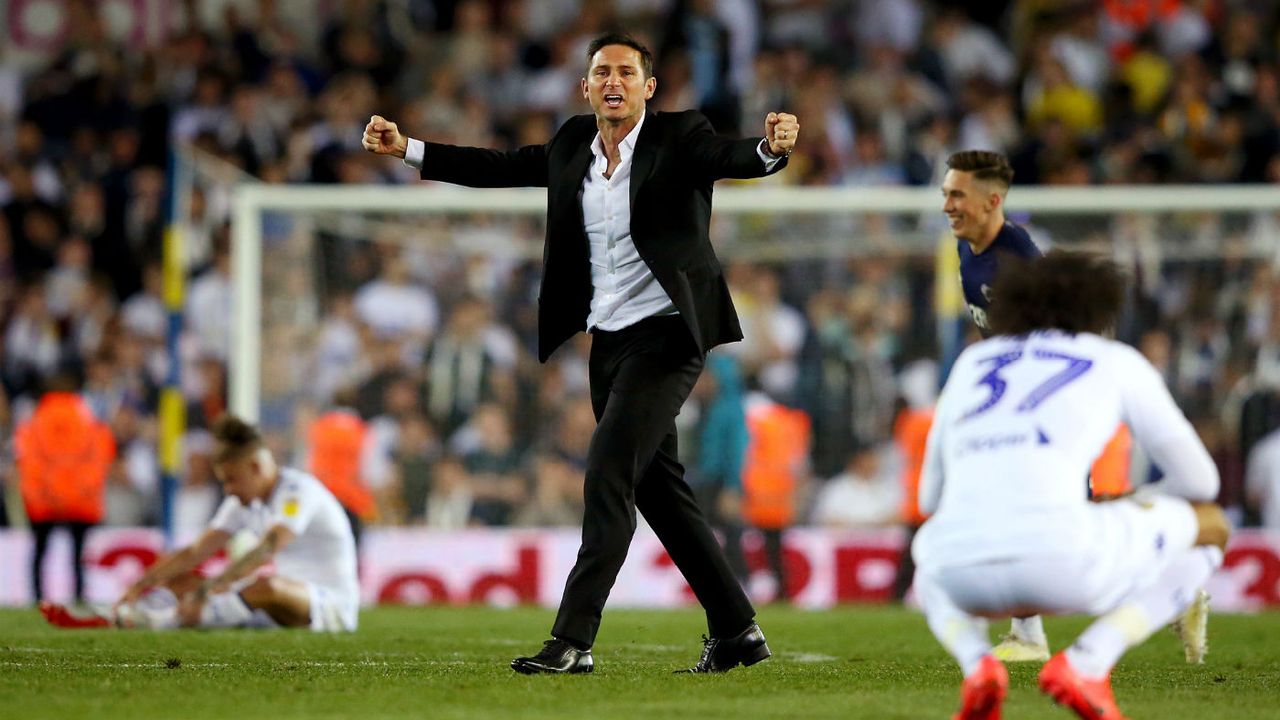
1076	366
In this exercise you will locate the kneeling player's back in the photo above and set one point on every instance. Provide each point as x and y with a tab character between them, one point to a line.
1022	419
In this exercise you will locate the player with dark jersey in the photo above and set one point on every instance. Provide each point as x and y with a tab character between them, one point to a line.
978	267
974	191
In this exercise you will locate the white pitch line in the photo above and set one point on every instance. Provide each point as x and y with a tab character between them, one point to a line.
807	657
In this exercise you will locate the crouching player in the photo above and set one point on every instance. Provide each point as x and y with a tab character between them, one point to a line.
301	528
1020	419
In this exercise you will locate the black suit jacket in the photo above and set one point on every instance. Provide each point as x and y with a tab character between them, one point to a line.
677	158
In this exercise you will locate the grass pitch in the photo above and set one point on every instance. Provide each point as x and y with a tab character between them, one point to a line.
859	662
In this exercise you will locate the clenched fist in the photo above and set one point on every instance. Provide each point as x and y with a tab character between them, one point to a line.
382	137
781	129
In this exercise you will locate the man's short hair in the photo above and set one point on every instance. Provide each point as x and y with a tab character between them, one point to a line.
235	438
646	57
1064	290
985	165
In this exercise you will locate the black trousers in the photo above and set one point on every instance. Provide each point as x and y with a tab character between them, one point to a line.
42	531
640	376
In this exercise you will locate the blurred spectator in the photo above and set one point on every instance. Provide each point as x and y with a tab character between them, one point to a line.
463	366
416	455
1262	480
721	453
395	307
773	331
556	500
493	464
860	497
33	346
968	50
208	311
338	349
198	491
133	495
449	504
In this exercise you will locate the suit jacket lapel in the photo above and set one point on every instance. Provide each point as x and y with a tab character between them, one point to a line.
646	153
576	170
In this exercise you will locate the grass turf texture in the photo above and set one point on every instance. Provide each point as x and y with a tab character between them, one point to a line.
859	662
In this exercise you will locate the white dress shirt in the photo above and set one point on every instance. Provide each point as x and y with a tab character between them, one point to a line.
623	288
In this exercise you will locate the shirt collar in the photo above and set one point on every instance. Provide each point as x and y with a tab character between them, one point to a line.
626	147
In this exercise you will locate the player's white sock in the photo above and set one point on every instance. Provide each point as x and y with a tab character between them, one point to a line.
1029	629
225	610
963	635
155	610
1149	608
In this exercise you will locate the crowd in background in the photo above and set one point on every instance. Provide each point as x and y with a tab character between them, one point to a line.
428	360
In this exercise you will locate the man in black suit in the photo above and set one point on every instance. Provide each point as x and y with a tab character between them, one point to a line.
629	259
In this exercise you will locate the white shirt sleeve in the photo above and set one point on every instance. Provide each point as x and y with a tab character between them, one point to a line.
1164	432
228	518
769	162
415	153
929	494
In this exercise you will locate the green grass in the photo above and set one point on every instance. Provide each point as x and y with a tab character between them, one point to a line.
860	662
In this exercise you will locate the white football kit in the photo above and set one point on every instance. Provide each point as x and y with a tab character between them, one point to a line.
1016	429
322	553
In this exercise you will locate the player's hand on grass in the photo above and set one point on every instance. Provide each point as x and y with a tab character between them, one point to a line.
190	607
382	137
129	597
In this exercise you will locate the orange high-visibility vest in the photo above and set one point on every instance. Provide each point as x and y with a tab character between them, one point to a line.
776	454
911	434
63	456
1110	472
337	440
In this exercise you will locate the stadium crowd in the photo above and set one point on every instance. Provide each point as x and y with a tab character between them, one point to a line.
422	370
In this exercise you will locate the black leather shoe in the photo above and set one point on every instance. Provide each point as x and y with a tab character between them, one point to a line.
722	654
556	656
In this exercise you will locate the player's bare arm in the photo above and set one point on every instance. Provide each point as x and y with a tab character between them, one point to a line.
190	606
176	564
274	539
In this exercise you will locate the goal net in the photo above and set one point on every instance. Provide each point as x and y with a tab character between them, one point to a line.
335	287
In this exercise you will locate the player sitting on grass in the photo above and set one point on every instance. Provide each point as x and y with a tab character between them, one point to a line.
300	527
1020	419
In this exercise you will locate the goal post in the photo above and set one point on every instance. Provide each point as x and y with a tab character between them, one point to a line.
916	215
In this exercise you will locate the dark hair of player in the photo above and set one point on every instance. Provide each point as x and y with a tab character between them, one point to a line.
985	165
1064	290
235	437
646	57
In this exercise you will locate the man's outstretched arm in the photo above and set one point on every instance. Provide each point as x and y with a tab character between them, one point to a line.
473	167
719	157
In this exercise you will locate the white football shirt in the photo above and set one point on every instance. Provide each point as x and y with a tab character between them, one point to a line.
1016	430
323	550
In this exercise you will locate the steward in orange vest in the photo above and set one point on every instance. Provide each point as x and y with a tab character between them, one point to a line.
776	463
337	440
63	455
